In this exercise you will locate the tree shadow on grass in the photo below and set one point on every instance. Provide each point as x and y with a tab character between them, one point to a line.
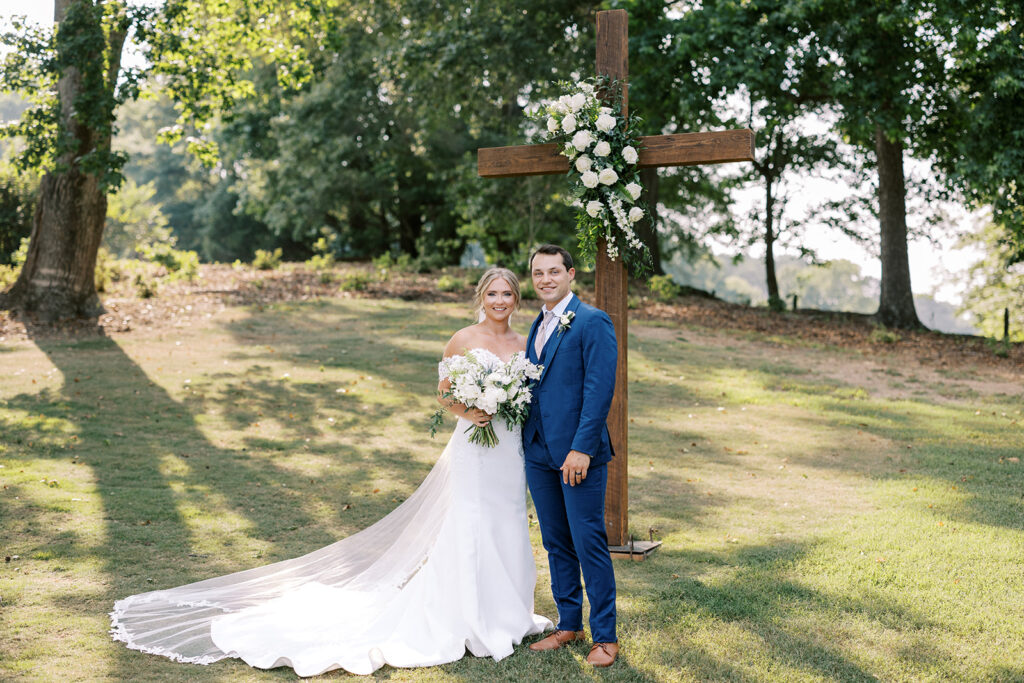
755	604
152	466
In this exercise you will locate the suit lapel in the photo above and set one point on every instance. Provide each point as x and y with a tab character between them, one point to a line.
552	344
531	354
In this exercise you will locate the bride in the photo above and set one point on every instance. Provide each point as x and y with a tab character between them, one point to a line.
450	569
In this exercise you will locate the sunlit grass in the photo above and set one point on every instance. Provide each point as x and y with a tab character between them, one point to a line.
818	522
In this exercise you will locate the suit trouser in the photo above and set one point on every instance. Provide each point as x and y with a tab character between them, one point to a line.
572	529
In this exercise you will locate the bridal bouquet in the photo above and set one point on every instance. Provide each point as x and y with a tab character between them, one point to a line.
482	380
601	145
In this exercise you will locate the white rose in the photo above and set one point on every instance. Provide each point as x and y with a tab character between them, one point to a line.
559	108
594	208
635	214
582	140
604	110
583	164
602	149
587	88
577	101
590	179
552	124
634	190
608	176
569	123
629	154
605	123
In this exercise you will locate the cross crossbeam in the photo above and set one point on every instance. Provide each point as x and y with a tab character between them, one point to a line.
683	149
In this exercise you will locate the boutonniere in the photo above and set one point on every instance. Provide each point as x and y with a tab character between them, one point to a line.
564	321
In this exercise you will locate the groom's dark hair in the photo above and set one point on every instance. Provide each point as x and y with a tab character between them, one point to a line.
553	249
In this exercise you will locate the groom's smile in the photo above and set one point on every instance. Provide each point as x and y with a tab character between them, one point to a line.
551	279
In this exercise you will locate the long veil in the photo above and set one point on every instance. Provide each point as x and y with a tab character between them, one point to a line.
382	558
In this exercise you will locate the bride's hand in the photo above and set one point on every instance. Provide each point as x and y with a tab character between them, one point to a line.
478	417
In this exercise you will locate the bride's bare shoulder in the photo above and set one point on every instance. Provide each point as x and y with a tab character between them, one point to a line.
461	341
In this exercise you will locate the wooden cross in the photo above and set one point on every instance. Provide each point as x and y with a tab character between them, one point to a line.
687	149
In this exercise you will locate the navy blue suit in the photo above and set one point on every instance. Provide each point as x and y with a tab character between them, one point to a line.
570	412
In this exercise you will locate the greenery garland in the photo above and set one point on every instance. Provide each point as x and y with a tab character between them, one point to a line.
603	148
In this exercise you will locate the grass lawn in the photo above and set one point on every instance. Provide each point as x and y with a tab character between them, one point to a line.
826	514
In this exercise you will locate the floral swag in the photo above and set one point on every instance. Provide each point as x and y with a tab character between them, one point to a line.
601	146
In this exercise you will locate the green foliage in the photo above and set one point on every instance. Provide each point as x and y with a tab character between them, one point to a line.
267	260
883	335
17	208
8	275
145	288
18	257
663	287
180	264
448	283
323	259
135	222
107	270
526	290
356	281
996	284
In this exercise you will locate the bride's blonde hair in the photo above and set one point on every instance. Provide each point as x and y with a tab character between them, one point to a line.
489	276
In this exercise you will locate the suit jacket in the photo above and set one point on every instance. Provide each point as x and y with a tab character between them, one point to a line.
569	410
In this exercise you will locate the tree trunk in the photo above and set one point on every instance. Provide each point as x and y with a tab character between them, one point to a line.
775	302
896	303
58	278
647	229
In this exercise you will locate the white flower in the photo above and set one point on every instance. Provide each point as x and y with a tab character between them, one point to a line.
629	154
569	123
569	150
602	149
590	179
635	214
552	124
587	88
577	101
605	123
594	208
559	108
634	190
583	164
608	176
604	110
582	139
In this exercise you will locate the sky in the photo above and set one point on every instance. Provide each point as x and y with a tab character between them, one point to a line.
937	269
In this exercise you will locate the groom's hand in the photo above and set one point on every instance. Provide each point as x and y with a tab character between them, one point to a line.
574	469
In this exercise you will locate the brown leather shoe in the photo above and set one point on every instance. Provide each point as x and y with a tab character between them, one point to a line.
556	640
603	654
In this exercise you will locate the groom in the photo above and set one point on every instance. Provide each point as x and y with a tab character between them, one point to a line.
567	451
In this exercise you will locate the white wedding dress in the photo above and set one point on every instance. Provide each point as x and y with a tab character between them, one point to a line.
450	569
